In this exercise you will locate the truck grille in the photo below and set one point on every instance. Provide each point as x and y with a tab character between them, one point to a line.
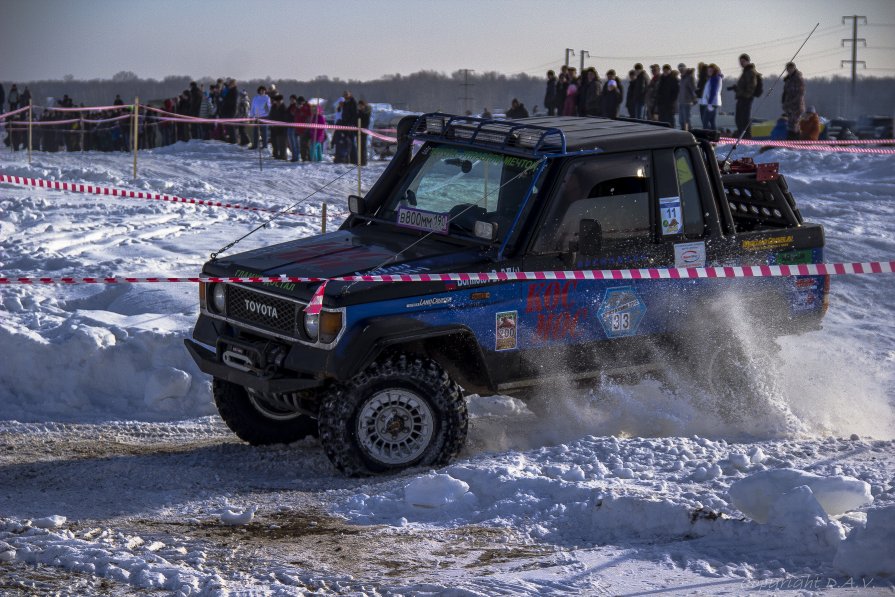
262	310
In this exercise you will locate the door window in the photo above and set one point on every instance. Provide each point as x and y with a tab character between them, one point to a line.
613	190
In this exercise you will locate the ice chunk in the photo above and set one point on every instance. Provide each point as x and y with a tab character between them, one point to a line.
868	551
49	522
238	517
803	519
434	490
166	383
755	494
7	552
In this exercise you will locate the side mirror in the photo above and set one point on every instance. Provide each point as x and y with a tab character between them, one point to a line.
357	205
590	237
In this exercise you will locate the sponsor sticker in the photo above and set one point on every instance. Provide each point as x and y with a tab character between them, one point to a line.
670	214
419	219
689	254
621	311
767	243
794	257
431	302
505	325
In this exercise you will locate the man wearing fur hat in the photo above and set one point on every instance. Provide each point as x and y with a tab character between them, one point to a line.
793	98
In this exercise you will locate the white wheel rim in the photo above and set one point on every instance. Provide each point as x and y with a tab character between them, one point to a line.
269	411
395	426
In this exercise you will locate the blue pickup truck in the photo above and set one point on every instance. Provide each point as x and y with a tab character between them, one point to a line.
380	374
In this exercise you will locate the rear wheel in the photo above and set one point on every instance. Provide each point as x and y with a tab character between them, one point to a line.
259	421
401	411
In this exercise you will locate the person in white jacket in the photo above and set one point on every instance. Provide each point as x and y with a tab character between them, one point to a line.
260	109
711	97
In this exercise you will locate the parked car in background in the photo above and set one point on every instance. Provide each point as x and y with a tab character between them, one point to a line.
874	127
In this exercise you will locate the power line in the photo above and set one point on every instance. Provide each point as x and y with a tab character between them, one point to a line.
773	42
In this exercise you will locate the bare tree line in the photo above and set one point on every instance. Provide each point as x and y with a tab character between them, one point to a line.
430	91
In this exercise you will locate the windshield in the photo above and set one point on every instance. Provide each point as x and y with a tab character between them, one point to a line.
449	189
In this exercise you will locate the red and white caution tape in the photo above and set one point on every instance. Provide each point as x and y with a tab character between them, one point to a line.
671	273
14	112
147	195
172	117
830	146
729	140
87	108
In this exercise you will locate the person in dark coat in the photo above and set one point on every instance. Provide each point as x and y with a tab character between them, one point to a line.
365	113
687	95
517	110
629	100
228	109
2	97
195	99
184	109
549	94
118	101
745	94
650	103
611	76
349	118
637	90
667	94
280	113
793	98
13	98
589	93
611	98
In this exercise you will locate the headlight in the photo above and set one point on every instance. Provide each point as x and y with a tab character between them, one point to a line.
312	326
219	298
324	327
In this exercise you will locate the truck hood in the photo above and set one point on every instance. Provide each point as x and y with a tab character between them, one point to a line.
346	253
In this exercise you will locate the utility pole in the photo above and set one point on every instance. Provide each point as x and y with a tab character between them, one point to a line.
569	52
582	53
854	50
466	85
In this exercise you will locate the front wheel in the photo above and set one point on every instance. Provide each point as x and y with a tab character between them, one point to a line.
401	411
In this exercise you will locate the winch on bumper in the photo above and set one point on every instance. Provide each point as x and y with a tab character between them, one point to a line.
253	331
249	366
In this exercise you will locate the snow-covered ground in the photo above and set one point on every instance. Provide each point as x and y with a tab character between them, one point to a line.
116	476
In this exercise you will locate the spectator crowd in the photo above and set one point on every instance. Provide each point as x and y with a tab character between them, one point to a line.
669	95
661	94
107	130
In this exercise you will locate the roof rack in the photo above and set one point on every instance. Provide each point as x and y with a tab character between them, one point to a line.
506	135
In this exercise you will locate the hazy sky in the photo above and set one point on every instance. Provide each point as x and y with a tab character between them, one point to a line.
365	39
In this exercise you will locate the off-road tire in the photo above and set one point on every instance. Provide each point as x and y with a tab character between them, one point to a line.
424	377
250	425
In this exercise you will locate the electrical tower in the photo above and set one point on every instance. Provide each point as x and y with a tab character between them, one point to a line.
854	50
569	51
583	52
466	85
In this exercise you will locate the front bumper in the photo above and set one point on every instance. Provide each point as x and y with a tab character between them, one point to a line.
209	363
